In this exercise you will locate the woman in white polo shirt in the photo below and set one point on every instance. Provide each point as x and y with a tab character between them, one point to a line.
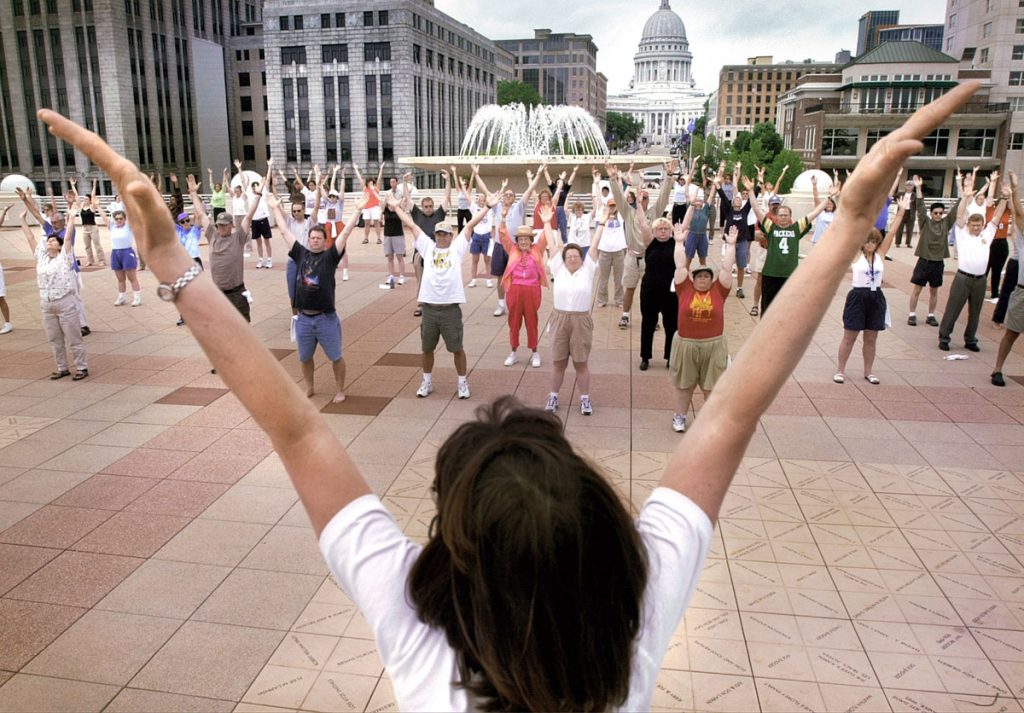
572	328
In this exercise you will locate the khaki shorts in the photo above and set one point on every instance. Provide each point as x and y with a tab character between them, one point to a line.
394	245
572	336
633	272
441	321
698	361
1015	311
758	255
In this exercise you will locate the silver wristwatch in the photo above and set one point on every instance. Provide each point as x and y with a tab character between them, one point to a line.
169	292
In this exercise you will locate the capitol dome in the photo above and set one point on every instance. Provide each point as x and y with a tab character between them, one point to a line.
664	25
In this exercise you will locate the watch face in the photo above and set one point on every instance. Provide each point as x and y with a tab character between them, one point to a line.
165	292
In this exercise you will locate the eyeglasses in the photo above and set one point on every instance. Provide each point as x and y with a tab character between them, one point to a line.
186	220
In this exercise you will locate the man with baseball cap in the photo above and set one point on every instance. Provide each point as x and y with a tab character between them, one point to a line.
441	291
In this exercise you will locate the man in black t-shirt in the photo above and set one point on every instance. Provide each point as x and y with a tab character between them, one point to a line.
316	319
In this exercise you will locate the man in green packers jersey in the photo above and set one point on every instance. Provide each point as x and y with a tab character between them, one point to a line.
783	237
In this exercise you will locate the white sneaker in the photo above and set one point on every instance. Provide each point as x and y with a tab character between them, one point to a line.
535	360
992	300
388	284
499	310
552	404
269	264
247	254
511	359
344	274
7	328
678	423
490	283
425	389
120	300
585	408
472	283
137	301
401	279
464	390
259	263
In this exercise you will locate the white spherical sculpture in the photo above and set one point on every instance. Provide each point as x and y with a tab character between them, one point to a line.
802	184
13	181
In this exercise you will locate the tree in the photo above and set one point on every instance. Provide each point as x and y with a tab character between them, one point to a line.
782	159
769	137
623	129
513	92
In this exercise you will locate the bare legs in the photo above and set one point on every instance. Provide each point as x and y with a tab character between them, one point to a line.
460	362
124	277
339	378
867	350
5	310
685	396
933	298
582	375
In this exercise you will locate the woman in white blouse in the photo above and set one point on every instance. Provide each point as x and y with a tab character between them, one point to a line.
56	277
508	605
866	310
572	328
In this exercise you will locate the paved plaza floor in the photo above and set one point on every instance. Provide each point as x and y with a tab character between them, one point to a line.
153	555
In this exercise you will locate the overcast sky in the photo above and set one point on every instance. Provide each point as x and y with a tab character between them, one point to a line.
719	33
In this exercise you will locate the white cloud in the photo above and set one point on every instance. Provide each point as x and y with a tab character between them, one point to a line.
719	33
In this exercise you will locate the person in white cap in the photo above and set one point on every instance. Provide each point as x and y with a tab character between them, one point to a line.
441	291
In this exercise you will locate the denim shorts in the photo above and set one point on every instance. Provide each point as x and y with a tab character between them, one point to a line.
696	243
478	245
323	329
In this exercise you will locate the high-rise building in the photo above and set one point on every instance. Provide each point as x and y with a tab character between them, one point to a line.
747	93
149	76
662	95
989	36
562	67
366	83
869	25
928	35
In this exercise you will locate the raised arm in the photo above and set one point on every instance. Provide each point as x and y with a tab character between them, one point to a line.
665	192
534	181
317	193
997	215
481	186
703	467
406	201
814	190
321	470
602	215
392	203
816	211
30	205
274	203
30	237
614	180
966	196
679	231
380	172
902	206
446	203
993	184
490	200
264	189
1018	208
203	218
342	240
729	259
754	203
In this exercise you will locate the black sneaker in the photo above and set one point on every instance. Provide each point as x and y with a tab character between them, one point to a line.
997	379
972	347
181	322
86	331
931	321
739	292
912	320
944	346
644	364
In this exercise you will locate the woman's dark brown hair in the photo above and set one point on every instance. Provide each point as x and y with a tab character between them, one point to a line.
534	569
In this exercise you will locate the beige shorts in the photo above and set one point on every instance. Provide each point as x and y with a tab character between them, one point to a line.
1015	311
572	336
633	271
371	214
698	361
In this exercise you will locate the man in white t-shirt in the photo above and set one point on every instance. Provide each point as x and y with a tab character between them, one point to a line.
441	291
973	241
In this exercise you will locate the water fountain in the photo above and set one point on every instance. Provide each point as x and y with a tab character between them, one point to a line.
507	140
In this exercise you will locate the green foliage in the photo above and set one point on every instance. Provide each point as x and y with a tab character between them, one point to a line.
769	138
623	129
785	158
512	92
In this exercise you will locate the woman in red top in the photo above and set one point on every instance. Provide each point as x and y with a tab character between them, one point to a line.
700	352
522	281
546	200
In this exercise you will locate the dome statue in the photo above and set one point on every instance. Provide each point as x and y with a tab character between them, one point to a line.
13	181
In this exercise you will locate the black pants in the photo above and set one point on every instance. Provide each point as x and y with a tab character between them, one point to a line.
678	213
997	255
905	227
770	287
236	298
655	301
464	216
1009	285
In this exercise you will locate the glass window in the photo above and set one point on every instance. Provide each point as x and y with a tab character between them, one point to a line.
293	55
325	19
248	152
243	79
334	53
284	23
839	142
978	143
874	136
368	18
936	143
1018	52
297	22
1016	79
246	103
382	17
377	50
1017	141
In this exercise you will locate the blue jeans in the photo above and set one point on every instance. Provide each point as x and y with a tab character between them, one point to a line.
563	225
323	329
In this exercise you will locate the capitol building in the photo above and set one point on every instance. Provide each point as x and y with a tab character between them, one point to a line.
661	94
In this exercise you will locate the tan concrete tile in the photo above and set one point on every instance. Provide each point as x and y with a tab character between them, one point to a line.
271	600
131	700
40	486
287	549
244	503
216	542
39	693
103	647
164	588
211	660
75	579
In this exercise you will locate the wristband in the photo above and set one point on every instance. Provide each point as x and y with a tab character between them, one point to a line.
169	292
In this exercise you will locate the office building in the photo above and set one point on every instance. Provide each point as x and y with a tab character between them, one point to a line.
562	67
869	25
147	75
747	93
928	35
833	119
